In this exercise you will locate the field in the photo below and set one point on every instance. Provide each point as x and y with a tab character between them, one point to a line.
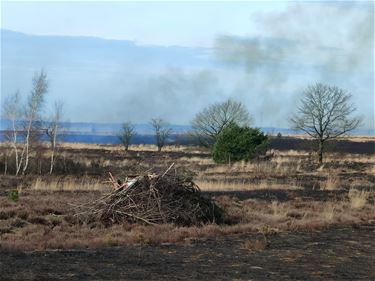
285	218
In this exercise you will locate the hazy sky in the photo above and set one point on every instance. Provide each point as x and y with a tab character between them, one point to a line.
261	53
160	23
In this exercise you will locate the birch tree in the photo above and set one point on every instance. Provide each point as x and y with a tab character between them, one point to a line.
32	115
53	129
11	112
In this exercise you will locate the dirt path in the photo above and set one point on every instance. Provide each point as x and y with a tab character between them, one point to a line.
333	254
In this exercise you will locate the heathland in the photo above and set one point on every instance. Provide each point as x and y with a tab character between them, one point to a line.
280	214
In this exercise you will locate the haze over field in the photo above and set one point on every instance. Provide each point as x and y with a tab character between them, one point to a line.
112	62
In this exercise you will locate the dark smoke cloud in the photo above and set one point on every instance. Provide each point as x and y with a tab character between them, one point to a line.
175	95
110	81
308	42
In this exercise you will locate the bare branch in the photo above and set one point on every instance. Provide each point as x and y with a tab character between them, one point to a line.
162	132
126	134
325	113
208	123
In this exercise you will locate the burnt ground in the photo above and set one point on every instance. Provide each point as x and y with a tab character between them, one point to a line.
332	254
335	253
283	195
342	146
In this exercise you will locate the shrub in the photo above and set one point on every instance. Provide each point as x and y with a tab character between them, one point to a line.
13	195
237	143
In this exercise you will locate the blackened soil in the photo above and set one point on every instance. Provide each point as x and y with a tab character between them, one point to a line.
332	254
284	195
343	146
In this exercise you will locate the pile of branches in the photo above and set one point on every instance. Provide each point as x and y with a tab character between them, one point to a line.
152	199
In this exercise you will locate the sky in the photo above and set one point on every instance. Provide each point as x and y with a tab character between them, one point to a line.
156	23
261	53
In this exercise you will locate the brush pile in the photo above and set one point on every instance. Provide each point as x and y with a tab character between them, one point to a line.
152	199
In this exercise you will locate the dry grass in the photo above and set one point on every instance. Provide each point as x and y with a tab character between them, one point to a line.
332	182
290	153
69	185
280	211
133	147
359	138
275	167
223	185
296	215
167	148
197	160
255	245
40	222
328	213
371	170
41	219
91	146
358	198
349	157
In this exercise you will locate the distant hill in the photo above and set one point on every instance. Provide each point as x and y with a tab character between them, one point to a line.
110	80
22	50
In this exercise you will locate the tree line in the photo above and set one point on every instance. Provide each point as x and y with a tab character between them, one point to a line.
161	131
324	113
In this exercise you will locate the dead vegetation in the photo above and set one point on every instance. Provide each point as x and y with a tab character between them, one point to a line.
44	220
286	193
152	199
358	198
68	184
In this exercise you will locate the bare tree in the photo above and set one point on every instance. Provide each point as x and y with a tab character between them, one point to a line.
208	123
161	131
126	134
32	116
53	129
325	113
11	111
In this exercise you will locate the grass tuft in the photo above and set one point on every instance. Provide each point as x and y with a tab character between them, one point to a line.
332	182
357	198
